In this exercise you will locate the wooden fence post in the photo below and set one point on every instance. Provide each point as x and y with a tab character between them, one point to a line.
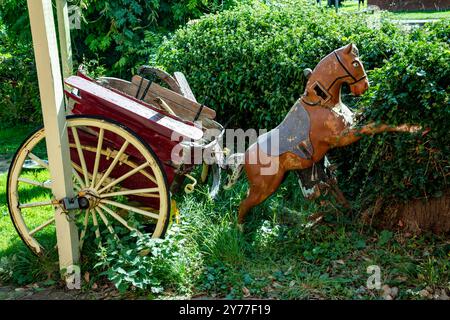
53	112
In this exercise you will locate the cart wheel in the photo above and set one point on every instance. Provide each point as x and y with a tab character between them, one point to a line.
119	182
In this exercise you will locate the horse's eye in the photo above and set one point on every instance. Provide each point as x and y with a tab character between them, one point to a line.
356	64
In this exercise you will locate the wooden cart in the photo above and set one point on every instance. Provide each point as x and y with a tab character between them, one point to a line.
122	136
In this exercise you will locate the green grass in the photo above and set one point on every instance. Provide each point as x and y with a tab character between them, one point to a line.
421	15
17	264
11	137
349	6
277	256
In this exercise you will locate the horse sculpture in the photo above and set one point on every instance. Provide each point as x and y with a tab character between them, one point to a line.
317	122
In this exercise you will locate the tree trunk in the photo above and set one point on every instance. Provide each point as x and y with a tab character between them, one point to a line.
415	216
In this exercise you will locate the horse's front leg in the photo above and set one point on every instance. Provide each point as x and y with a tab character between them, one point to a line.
349	136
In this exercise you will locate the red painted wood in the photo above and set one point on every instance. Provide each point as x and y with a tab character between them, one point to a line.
150	124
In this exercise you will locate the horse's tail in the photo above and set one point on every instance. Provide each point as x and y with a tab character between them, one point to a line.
235	162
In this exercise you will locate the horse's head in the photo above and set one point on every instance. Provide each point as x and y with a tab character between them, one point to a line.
339	67
348	58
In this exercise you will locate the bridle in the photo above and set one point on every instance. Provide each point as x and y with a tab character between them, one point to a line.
348	72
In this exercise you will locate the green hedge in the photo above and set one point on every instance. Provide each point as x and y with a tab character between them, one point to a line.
413	87
19	92
249	62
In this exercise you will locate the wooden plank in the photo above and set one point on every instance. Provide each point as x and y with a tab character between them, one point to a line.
131	89
119	84
184	86
185	106
65	44
180	104
164	76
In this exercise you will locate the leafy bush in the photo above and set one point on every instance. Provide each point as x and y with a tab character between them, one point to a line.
249	61
413	87
19	90
147	265
435	31
121	34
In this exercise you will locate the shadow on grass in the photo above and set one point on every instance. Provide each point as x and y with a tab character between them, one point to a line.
20	266
28	194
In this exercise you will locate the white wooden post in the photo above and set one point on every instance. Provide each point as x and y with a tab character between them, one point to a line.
52	100
65	44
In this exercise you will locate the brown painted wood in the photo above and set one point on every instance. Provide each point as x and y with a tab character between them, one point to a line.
119	84
183	107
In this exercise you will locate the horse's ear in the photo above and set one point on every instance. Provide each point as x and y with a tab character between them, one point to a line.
348	49
307	73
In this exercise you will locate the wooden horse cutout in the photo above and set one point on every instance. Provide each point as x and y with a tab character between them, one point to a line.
318	122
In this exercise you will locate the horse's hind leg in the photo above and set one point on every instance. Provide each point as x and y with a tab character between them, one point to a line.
261	187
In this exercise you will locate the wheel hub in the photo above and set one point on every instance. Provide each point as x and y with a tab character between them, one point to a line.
88	199
83	202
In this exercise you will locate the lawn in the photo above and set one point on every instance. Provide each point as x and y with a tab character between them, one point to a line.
279	255
421	15
10	139
352	6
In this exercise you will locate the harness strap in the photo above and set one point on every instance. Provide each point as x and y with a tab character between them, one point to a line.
146	89
312	104
140	87
199	112
346	70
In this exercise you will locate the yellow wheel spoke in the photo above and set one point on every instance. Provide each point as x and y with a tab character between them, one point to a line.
107	153
126	175
106	222
36	204
113	164
85	226
46	184
80	155
77	176
130	208
118	218
97	227
42	226
38	160
97	156
126	192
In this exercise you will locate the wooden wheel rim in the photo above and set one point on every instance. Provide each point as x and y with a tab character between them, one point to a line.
100	123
